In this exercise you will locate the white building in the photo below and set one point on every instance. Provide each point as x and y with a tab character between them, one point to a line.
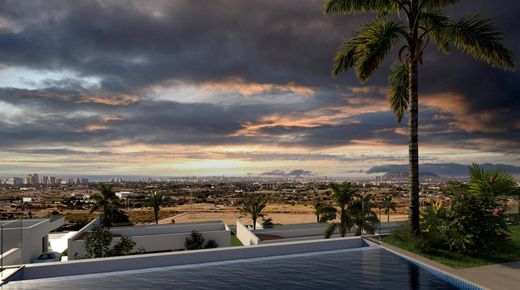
24	240
154	238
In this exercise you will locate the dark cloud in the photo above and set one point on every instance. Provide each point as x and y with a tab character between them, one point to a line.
133	46
292	173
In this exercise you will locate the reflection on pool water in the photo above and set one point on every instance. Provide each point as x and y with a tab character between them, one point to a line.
369	268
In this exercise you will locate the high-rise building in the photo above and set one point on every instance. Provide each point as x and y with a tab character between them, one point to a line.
35	179
45	180
52	180
14	181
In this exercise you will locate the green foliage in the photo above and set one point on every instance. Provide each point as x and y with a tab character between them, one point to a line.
324	212
398	90
368	48
196	242
335	7
491	181
97	244
109	204
211	244
155	201
354	210
99	240
123	247
363	217
253	205
267	222
508	250
474	220
388	205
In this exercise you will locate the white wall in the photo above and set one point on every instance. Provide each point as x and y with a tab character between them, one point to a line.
156	238
76	248
246	236
91	266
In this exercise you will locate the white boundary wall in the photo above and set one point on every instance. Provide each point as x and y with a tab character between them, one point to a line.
113	264
246	236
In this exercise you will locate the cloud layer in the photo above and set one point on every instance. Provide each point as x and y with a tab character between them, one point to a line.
228	87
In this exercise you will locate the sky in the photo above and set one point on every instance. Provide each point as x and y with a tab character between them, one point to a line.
231	87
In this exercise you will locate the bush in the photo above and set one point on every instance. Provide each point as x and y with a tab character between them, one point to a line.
97	244
196	242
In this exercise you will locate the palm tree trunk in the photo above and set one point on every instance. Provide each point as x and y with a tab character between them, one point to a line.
254	224
388	217
156	215
413	143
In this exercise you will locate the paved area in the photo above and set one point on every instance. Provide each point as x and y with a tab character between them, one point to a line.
499	276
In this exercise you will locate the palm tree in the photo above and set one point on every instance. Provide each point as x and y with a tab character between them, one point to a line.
342	196
253	205
388	204
155	201
418	23
324	212
363	217
108	202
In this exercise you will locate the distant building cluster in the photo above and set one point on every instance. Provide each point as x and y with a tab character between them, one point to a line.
35	179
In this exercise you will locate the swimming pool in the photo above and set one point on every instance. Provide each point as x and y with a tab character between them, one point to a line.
362	268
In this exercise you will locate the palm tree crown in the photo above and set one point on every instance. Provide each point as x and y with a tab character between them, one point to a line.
253	207
108	202
418	23
342	196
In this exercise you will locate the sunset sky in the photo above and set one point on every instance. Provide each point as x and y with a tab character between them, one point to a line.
230	87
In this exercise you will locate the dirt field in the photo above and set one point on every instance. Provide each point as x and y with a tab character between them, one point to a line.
281	214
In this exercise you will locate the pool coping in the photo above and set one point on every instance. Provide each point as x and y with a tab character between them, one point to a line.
442	271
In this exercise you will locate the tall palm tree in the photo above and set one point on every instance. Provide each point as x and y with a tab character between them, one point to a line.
155	201
253	205
108	202
418	23
342	196
388	205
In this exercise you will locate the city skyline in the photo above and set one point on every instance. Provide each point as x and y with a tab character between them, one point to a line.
86	89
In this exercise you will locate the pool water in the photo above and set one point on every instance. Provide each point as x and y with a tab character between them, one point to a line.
369	268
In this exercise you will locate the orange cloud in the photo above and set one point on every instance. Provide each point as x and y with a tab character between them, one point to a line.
249	89
122	99
463	118
320	117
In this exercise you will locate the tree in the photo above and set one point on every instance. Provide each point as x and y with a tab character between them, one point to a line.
253	205
342	196
419	22
363	217
324	212
388	204
108	202
196	241
97	244
99	240
155	201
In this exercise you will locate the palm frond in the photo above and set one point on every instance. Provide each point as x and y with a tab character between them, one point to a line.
376	39
330	230
436	4
479	38
341	7
435	24
491	181
398	90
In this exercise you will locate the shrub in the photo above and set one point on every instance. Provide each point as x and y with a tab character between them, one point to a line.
196	242
97	244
